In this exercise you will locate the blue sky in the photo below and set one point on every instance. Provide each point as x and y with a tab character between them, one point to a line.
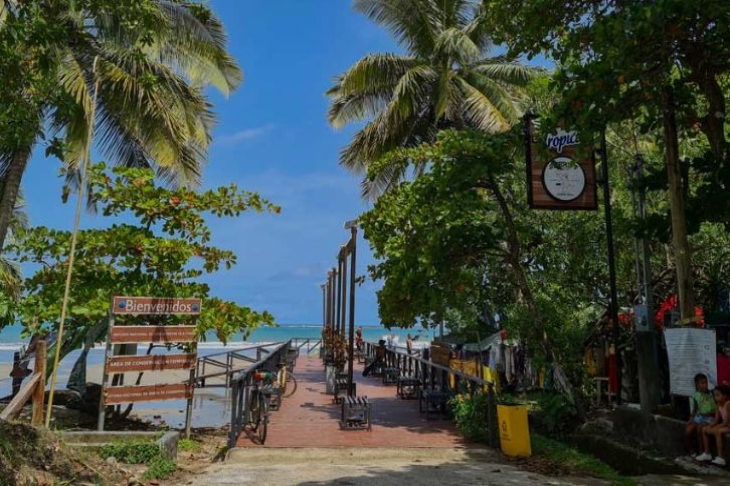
273	138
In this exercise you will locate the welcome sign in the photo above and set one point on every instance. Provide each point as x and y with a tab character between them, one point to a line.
558	177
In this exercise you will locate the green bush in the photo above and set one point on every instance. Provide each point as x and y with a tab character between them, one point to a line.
131	452
470	416
559	414
160	468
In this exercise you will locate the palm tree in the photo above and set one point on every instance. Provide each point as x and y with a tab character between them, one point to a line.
444	79
143	68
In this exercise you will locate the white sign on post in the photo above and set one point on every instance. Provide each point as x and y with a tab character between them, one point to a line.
690	351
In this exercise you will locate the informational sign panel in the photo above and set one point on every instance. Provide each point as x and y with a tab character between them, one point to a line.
559	176
155	306
690	351
116	395
157	362
126	334
152	334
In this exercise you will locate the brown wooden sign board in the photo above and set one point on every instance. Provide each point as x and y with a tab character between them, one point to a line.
156	306
152	393
559	176
152	334
126	364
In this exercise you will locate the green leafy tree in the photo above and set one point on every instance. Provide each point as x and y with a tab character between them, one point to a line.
141	66
443	79
163	252
661	62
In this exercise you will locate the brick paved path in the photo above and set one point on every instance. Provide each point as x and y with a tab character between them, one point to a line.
310	418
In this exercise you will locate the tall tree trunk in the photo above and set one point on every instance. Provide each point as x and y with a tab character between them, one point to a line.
682	252
514	256
10	187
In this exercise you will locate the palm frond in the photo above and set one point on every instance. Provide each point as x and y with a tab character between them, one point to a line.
366	88
455	45
168	121
413	23
504	71
482	105
10	278
194	43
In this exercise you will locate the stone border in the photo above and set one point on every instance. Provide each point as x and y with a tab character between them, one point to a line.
167	443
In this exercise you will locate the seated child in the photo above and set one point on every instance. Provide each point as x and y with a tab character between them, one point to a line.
702	411
719	426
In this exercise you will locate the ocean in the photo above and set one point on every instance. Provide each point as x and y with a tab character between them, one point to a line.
216	414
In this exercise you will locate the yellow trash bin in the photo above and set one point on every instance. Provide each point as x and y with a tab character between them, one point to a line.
514	432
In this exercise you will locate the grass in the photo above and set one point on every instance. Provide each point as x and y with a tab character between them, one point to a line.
189	445
577	461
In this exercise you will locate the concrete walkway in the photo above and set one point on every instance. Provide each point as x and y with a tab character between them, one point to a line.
373	466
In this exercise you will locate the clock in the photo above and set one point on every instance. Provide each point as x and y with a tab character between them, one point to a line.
563	179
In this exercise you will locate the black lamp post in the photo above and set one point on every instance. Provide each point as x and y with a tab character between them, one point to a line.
352	250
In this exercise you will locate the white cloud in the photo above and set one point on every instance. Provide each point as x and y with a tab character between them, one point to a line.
245	135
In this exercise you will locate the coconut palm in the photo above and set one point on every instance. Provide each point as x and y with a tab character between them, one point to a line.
143	67
444	79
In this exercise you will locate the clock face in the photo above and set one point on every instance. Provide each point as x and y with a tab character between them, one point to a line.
563	179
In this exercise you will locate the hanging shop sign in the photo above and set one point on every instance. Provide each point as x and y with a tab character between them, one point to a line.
558	175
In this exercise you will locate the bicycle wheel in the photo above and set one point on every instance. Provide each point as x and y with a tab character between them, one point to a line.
254	409
263	418
290	386
281	379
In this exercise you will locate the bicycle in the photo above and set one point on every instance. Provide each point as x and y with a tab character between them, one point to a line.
258	403
286	380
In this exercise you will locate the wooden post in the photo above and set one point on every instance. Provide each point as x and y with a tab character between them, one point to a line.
39	395
17	380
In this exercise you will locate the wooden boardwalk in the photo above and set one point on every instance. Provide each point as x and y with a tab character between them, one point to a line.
310	418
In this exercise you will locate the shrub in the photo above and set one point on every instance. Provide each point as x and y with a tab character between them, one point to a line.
558	413
470	416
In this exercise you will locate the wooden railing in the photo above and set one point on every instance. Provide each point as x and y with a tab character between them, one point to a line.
311	344
35	388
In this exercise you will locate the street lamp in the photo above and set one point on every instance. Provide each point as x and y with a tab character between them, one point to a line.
351	246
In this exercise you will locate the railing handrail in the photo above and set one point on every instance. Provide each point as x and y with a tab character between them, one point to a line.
240	380
248	348
428	362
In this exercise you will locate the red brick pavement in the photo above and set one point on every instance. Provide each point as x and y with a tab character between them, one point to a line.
310	418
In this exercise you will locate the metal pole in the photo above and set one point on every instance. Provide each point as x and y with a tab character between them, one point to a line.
324	305
343	274
329	298
613	306
338	297
351	344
